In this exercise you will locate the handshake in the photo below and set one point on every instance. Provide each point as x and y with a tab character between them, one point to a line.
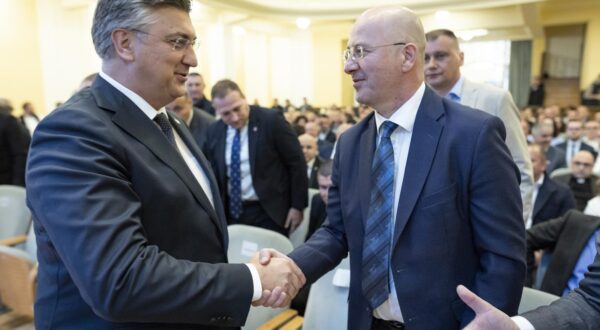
280	277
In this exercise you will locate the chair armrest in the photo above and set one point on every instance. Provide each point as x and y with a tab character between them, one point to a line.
279	320
12	241
294	324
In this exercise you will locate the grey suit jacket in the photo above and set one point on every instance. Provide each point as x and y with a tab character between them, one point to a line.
499	103
580	309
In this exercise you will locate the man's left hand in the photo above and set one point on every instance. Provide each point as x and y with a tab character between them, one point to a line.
294	218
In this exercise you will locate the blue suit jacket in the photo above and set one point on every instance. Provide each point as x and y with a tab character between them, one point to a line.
459	217
126	236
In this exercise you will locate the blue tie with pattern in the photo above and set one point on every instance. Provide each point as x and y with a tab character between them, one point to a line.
377	239
235	180
163	122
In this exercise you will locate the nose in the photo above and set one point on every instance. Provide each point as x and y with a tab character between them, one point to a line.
189	58
350	66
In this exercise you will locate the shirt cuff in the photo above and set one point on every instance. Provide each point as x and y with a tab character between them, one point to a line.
256	282
522	323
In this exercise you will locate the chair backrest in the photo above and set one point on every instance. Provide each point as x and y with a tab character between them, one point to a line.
244	242
560	171
15	217
299	235
532	299
327	304
17	287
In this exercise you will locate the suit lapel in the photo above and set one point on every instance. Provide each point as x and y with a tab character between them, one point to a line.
544	193
423	146
253	131
218	214
366	150
132	120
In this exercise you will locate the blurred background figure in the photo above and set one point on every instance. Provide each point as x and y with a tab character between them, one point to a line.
196	119
14	144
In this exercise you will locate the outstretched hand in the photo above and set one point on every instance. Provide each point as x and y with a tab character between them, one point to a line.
487	317
280	277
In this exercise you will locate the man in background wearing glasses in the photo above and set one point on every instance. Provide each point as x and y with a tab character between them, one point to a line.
424	193
131	230
443	59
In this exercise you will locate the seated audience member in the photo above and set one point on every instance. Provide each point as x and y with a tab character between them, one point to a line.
277	106
550	199
525	127
584	112
313	162
86	82
325	147
542	135
592	134
14	144
288	106
591	96
581	181
305	106
572	238
325	132
299	124
197	120
29	118
318	206
574	142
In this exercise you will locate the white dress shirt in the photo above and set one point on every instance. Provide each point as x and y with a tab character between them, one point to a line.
309	167
401	137
188	157
248	192
534	195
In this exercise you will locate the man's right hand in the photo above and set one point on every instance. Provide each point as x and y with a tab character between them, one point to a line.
280	278
487	317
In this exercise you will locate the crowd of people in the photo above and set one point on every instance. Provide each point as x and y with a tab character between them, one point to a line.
133	181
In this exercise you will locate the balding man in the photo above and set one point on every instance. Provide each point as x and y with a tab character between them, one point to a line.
542	135
424	195
197	120
581	180
325	147
443	59
310	150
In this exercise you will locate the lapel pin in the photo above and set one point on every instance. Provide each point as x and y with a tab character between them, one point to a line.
255	129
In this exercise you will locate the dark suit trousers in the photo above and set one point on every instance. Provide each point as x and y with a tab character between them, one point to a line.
254	215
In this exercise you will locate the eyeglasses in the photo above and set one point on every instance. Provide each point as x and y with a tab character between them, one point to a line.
177	43
359	52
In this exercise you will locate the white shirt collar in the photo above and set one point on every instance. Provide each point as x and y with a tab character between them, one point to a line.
136	99
406	114
457	88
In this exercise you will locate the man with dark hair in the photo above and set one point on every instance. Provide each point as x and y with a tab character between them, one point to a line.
574	141
542	135
130	227
29	118
197	120
195	89
258	162
318	211
443	59
14	143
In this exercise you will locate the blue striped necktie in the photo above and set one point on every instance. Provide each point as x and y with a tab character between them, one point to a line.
235	178
377	239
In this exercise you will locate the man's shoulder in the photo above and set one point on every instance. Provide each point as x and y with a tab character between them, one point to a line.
486	89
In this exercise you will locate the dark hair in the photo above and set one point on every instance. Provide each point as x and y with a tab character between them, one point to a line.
224	87
326	168
125	14
433	35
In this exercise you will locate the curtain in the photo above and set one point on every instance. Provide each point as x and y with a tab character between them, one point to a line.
520	71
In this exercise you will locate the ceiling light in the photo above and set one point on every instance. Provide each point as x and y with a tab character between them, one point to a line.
442	16
303	22
467	35
238	31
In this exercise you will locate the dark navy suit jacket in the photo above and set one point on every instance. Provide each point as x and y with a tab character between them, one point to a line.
553	200
127	238
459	218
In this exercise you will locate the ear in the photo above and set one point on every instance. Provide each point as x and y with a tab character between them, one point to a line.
410	57
462	58
123	43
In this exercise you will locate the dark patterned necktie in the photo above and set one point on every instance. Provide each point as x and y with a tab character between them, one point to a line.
235	180
163	122
377	239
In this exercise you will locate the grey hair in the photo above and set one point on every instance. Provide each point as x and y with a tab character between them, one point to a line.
126	14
